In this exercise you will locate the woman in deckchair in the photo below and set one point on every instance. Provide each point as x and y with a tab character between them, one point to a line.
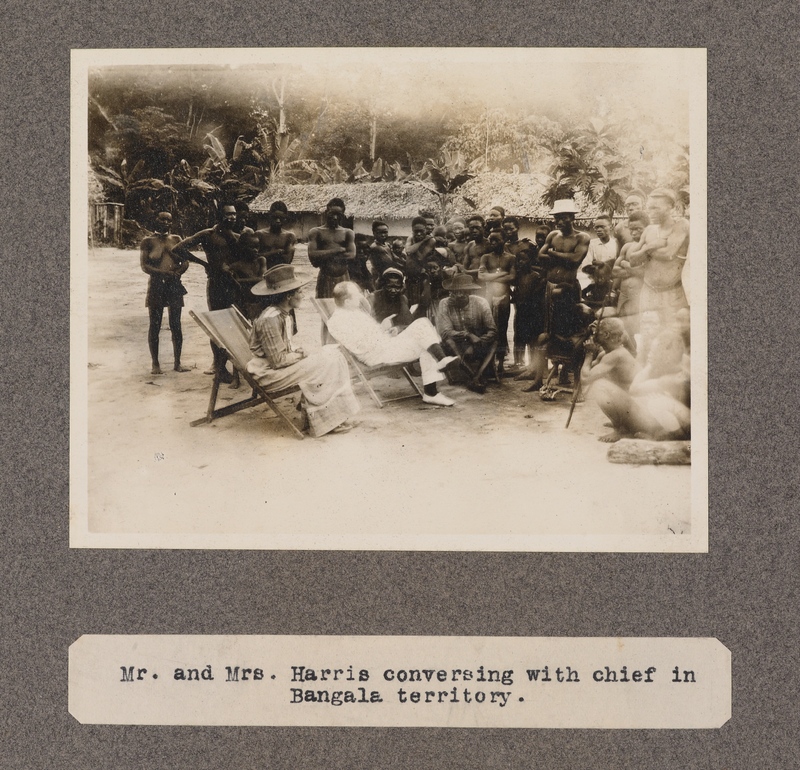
323	377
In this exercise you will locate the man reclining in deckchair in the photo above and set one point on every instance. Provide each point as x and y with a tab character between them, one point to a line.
375	345
323	377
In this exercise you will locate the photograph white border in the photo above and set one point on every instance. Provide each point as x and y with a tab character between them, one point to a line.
81	536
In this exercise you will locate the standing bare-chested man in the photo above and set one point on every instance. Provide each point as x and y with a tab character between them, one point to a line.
497	273
418	252
477	246
561	255
528	288
220	244
165	288
331	248
494	220
459	243
634	204
564	248
275	244
663	250
381	257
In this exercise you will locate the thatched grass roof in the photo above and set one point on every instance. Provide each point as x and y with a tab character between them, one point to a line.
365	200
519	194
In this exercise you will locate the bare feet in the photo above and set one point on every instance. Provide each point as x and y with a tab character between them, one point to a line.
179	368
526	374
533	387
156	369
235	380
610	438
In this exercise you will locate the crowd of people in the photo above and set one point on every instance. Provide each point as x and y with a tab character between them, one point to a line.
608	313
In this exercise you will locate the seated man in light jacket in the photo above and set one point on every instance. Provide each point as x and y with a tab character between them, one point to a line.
374	344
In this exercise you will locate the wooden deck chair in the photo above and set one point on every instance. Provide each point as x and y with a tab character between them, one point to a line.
230	330
325	308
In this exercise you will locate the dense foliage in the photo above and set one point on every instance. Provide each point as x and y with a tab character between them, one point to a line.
183	139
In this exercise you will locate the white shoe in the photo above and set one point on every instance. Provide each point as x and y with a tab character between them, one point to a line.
445	362
439	400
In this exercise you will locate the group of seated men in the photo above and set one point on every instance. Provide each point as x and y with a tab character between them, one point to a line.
464	276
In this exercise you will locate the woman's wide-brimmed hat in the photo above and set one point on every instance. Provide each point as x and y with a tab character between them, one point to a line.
460	282
278	280
564	206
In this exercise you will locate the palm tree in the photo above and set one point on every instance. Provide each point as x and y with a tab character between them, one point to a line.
588	161
141	196
445	175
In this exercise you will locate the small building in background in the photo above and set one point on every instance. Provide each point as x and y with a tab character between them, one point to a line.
106	223
521	196
397	203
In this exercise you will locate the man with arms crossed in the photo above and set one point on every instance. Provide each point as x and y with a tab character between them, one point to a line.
562	253
663	251
634	204
275	244
331	248
477	247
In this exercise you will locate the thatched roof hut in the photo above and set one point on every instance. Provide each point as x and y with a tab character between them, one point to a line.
365	200
398	203
519	194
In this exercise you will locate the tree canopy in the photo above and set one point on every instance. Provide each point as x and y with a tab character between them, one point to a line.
186	137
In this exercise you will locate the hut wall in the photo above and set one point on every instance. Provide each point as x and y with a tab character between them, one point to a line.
527	228
398	228
362	226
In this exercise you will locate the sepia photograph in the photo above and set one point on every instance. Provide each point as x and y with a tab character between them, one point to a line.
389	299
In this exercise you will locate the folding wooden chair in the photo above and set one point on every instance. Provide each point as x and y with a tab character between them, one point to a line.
325	308
230	330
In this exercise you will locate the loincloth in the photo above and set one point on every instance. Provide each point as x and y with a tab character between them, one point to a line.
164	291
668	298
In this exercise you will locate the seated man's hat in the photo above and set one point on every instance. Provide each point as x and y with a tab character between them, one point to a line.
278	280
460	282
564	206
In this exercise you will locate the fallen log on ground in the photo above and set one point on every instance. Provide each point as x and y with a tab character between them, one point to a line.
632	451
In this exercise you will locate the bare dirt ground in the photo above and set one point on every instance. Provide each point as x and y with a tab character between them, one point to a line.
493	466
